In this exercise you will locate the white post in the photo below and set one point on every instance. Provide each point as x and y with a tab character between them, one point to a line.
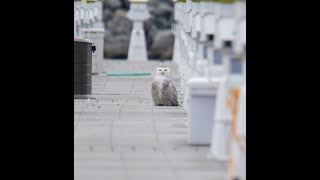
239	154
187	12
138	13
222	117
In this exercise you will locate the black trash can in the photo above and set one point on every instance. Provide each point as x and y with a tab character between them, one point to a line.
82	68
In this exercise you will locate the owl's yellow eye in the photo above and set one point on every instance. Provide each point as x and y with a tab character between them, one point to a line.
159	69
165	70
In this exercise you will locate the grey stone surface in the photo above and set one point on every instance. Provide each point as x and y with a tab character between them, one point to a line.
121	135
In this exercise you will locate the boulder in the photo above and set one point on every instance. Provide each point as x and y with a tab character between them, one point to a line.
112	4
162	45
116	46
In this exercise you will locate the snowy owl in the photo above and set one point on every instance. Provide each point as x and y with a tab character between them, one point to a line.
163	91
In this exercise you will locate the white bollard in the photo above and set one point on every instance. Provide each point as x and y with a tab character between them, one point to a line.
195	20
225	26
188	9
240	28
202	98
221	121
222	117
208	15
222	44
237	141
238	153
138	12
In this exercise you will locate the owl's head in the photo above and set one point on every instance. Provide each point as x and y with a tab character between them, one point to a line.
163	71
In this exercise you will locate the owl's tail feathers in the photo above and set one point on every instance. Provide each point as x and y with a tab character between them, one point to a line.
175	102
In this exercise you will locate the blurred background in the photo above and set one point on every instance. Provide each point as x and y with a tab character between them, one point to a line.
157	28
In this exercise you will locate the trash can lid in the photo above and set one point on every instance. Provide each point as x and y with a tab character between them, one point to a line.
80	39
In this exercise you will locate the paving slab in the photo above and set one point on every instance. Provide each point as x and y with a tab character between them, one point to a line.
121	135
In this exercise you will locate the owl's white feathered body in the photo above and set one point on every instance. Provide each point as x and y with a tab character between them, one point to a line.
163	91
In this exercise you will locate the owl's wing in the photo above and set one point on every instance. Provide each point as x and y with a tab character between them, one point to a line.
154	90
173	95
154	85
